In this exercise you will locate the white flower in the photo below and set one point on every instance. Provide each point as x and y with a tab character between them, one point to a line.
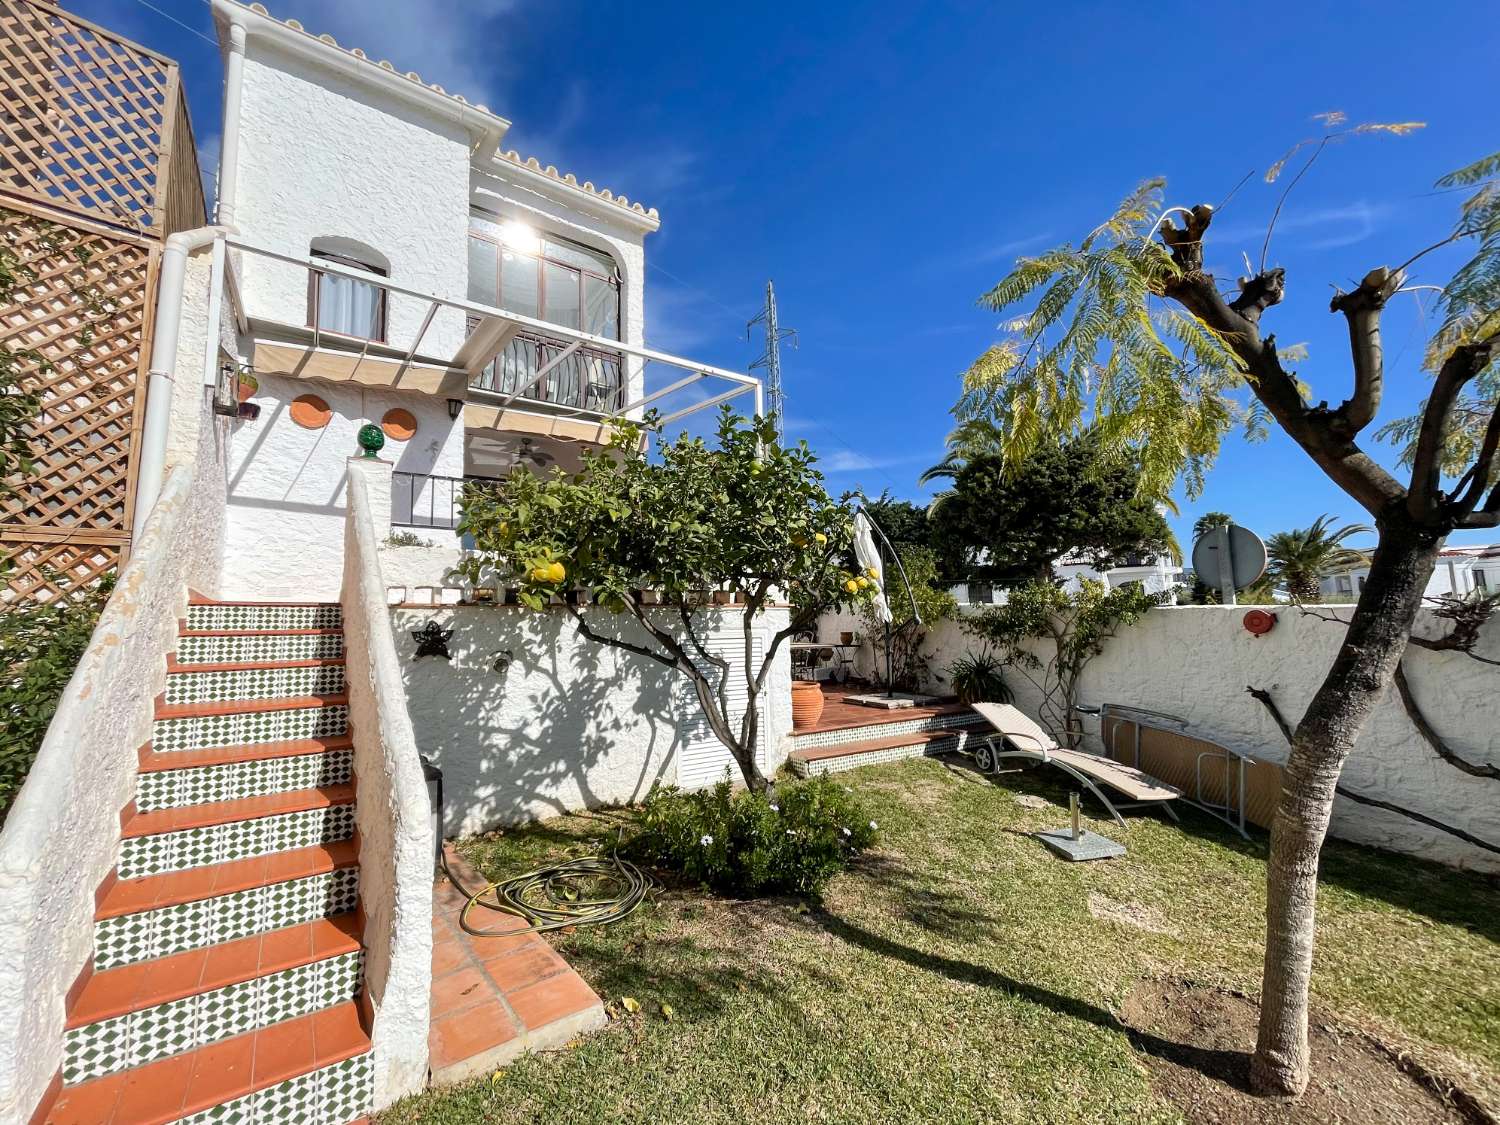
705	840
873	826
789	832
775	808
847	832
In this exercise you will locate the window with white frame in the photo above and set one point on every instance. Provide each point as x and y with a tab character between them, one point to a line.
515	268
344	305
1343	584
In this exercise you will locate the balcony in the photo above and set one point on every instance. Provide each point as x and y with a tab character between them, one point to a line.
585	378
427	501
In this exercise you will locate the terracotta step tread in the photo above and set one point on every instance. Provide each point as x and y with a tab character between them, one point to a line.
176	669
199	599
336	632
242	808
189	1083
239	706
151	892
865	746
879	715
154	760
145	984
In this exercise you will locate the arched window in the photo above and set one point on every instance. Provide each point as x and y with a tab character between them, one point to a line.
341	304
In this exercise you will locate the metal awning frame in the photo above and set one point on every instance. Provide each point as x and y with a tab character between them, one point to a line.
743	383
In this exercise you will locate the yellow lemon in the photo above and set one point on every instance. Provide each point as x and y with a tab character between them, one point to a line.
541	574
820	539
504	528
861	582
852	586
556	572
872	572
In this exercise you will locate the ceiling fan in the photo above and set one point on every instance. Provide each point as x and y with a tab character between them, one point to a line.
537	457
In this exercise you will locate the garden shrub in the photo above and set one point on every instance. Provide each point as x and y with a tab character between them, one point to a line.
40	646
791	840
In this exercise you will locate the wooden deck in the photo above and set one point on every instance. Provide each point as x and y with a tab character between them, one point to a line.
841	715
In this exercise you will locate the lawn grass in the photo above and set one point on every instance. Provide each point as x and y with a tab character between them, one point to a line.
957	973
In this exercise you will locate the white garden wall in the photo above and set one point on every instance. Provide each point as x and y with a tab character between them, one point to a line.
1196	661
571	725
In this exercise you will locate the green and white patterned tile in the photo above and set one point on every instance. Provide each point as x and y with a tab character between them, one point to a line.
162	1030
200	785
264	617
259	648
241	839
235	728
333	1095
128	938
258	683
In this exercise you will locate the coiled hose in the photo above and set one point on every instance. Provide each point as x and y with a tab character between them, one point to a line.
593	891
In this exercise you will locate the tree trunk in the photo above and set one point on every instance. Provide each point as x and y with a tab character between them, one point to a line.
1372	648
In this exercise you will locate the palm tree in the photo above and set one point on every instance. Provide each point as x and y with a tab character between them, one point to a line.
1300	558
1208	521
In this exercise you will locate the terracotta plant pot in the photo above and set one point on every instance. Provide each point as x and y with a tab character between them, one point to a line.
807	703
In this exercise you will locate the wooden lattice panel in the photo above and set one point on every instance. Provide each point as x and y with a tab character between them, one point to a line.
44	572
77	318
83	115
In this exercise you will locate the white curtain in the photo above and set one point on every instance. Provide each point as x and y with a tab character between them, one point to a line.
348	306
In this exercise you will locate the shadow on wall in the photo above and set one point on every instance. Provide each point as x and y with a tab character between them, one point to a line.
569	725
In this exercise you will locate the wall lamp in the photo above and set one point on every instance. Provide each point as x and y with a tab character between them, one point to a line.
455	408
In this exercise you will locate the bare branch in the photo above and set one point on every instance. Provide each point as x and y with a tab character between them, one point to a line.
586	630
1471	485
1270	705
1430	736
1425	498
1362	308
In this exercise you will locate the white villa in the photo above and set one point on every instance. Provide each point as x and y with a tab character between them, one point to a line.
1156	574
1460	570
376	261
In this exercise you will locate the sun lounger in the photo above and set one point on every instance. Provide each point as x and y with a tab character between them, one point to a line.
1020	738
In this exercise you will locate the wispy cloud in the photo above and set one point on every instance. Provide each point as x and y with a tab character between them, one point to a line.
1332	226
449	44
1009	249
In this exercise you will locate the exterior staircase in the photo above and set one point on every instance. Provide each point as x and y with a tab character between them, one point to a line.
228	965
849	737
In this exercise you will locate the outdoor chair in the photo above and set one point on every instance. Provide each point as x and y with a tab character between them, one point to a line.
1017	737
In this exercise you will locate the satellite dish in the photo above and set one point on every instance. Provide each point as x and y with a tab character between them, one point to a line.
1229	558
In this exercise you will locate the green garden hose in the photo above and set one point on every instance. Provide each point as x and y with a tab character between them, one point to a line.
592	891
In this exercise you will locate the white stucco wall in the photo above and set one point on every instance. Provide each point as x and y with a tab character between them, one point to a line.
396	848
319	156
62	835
285	531
573	724
1196	661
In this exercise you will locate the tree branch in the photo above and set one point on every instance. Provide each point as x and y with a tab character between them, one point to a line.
1362	308
1238	323
1430	736
1471	486
1425	497
586	630
1270	705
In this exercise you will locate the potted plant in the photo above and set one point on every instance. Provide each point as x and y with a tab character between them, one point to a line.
976	678
807	702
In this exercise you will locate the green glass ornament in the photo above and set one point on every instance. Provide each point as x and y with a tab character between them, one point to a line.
371	439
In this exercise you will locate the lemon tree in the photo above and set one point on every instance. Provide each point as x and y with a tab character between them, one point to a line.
667	533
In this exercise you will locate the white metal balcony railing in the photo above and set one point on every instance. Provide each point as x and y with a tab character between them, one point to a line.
509	355
584	379
428	500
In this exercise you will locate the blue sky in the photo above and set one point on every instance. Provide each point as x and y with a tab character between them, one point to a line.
885	163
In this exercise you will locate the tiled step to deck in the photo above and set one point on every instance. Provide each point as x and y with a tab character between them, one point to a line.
235	646
227	773
176	839
887	724
314	1068
262	615
159	915
191	726
223	683
137	1014
842	756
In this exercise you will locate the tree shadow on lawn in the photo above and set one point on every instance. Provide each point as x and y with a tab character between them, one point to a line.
1230	1067
1467	900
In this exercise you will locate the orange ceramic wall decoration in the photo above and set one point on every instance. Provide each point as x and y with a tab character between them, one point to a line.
398	424
310	412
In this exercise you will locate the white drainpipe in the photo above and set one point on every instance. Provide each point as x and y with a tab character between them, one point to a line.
169	292
229	144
